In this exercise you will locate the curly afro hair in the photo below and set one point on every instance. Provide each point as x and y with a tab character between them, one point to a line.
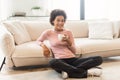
55	13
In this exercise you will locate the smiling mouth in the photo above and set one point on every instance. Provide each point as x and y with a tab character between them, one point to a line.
60	27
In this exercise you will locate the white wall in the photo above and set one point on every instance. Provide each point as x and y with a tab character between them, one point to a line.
5	9
26	5
102	9
96	9
114	9
8	7
71	7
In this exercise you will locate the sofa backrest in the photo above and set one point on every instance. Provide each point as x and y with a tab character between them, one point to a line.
35	28
80	28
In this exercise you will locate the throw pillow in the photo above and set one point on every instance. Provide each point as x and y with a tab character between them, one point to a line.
101	30
18	30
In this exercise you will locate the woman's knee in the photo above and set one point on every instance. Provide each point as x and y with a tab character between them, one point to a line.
53	62
98	59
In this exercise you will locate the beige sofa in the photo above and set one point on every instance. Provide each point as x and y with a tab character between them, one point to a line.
18	40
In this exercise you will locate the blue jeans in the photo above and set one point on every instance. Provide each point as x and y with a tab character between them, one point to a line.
75	67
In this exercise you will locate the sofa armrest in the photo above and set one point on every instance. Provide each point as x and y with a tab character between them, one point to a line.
7	43
7	46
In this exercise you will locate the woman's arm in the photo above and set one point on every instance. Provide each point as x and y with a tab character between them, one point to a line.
70	40
40	40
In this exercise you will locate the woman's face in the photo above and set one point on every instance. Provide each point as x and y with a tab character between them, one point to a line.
59	23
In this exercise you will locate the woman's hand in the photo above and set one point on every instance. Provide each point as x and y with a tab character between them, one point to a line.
67	39
46	51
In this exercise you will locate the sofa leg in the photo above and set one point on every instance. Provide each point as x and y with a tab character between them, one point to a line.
3	62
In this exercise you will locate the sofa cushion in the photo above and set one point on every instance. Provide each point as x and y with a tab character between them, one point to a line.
35	28
29	49
91	45
29	52
79	28
101	30
18	30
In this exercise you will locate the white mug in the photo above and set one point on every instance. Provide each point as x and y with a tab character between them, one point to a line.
60	36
